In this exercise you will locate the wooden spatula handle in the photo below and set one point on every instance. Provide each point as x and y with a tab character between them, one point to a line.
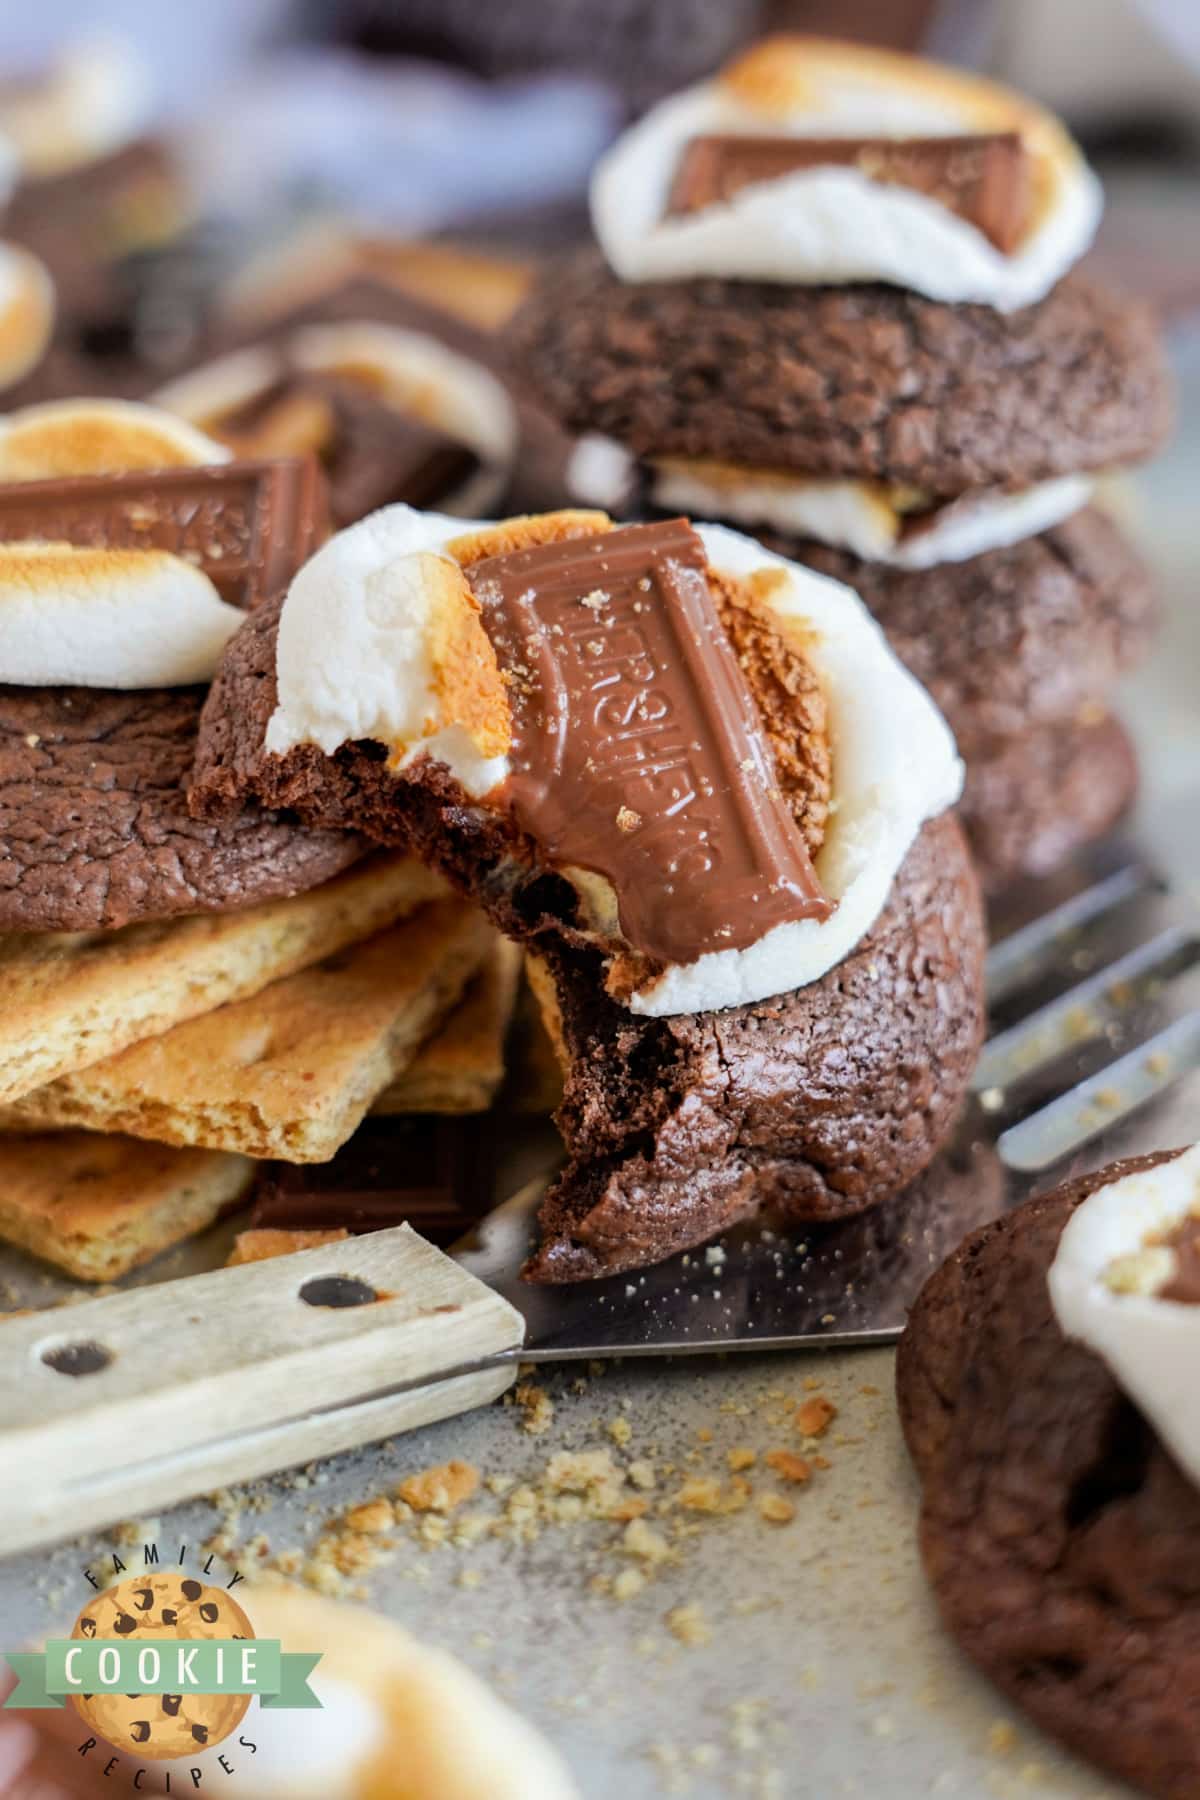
144	1398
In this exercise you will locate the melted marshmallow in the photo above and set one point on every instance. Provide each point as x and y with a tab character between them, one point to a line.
857	516
354	661
1151	1346
835	225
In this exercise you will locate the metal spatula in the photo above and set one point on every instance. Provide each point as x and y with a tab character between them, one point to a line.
158	1393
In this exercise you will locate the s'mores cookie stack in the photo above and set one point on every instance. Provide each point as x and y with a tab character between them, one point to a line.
692	780
180	1000
835	305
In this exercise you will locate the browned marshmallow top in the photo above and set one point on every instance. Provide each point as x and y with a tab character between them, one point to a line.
638	752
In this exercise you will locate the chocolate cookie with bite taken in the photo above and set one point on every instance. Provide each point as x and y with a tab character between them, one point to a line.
1045	1392
693	779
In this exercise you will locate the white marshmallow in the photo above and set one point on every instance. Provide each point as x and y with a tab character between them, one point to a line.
94	100
1151	1346
600	472
98	437
453	392
353	654
835	225
397	1716
353	662
108	618
857	516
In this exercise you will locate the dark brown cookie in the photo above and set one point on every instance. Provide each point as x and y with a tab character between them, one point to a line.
1033	799
869	381
1062	1541
1017	637
94	826
816	1104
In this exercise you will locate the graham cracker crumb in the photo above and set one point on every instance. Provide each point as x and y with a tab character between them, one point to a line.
641	1540
815	1416
627	1584
689	1626
372	1517
440	1489
537	1407
775	1509
791	1468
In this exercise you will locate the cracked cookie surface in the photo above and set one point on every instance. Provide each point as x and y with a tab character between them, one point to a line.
866	381
94	825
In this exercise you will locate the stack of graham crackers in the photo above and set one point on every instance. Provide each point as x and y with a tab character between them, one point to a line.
144	1072
151	1061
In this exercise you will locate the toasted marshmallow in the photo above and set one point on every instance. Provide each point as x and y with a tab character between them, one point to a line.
861	516
1105	1284
93	101
396	1717
380	638
418	375
108	618
834	225
411	371
62	438
26	313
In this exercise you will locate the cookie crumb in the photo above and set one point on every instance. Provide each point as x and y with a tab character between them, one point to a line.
791	1468
815	1416
775	1509
688	1625
440	1489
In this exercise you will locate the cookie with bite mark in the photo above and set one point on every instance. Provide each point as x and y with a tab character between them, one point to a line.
705	1082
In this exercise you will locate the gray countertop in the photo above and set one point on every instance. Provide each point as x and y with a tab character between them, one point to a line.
807	1659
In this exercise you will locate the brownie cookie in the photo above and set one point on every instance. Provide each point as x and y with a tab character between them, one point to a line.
94	821
870	381
1061	1538
1032	800
816	1104
1017	637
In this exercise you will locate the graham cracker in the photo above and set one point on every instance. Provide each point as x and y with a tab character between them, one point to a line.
69	999
290	1072
461	1066
262	1244
100	1206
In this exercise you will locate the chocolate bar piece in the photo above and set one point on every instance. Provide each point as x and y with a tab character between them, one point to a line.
638	751
431	1173
984	180
248	525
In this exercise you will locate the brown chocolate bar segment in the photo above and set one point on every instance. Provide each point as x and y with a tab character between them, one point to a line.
426	1172
984	180
638	751
248	525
